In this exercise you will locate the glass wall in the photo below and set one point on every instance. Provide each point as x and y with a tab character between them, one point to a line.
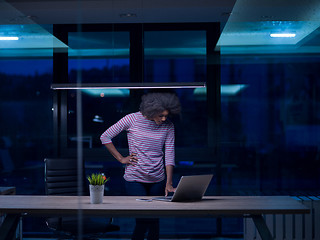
175	56
107	61
26	129
180	56
165	60
267	138
270	123
102	57
97	57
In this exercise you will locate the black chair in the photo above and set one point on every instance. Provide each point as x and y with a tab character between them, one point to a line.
61	178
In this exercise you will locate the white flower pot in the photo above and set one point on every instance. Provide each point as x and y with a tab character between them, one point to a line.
96	193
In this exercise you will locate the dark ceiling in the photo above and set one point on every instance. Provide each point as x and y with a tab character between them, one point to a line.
118	11
246	24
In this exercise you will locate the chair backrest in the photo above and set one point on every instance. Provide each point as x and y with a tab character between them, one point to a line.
61	177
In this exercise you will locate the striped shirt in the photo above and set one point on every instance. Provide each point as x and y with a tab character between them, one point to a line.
147	140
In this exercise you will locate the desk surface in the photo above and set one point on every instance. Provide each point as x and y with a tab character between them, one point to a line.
129	206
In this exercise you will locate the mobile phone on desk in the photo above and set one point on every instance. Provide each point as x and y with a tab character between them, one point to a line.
144	199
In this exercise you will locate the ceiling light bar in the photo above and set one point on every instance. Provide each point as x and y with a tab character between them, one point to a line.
9	38
283	35
71	86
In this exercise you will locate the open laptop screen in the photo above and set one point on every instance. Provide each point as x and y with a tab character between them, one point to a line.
190	188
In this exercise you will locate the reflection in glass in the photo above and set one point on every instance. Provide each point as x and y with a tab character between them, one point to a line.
26	135
270	128
102	57
175	56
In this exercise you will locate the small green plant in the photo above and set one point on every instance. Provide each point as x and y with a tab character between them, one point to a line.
97	179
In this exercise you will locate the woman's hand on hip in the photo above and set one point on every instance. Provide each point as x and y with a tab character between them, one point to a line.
131	159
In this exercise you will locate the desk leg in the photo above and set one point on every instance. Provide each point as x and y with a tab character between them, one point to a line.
20	228
262	227
9	227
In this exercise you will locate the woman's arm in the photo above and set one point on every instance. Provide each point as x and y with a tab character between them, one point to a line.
169	188
122	125
169	159
114	130
131	159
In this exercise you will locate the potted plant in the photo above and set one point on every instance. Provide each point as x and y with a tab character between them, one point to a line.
96	187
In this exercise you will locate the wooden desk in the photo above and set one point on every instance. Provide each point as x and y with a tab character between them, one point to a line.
124	206
7	191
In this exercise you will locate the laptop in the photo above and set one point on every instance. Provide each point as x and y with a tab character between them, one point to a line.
189	189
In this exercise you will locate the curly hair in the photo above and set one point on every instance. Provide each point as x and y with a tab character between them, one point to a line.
155	103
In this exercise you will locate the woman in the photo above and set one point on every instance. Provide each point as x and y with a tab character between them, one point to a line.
151	152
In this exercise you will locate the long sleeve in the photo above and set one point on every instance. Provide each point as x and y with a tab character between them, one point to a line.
169	147
122	125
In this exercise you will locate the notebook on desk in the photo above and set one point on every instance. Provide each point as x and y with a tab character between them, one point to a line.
190	188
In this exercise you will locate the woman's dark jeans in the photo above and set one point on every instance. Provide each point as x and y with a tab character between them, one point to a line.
146	225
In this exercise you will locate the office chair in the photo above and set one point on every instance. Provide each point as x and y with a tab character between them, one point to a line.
61	178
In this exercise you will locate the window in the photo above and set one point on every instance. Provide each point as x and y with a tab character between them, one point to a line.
26	121
270	122
180	56
97	57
